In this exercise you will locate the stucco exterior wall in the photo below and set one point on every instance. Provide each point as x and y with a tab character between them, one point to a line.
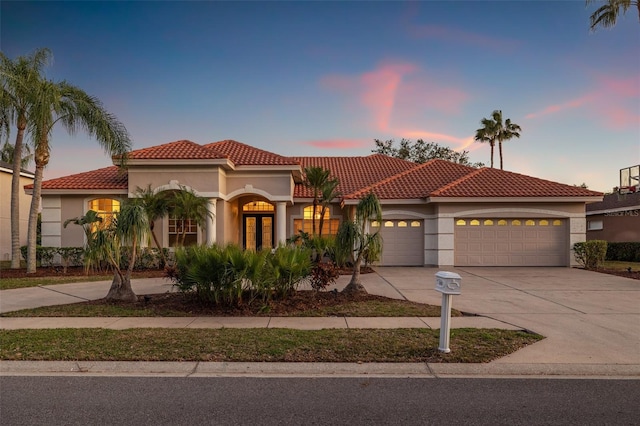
202	180
5	213
622	226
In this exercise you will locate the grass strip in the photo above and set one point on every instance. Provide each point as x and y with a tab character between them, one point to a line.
259	345
11	283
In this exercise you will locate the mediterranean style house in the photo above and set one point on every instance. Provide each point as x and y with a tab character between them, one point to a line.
438	213
24	200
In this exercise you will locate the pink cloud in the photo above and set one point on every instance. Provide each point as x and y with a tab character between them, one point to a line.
397	91
458	35
338	143
551	109
614	101
460	144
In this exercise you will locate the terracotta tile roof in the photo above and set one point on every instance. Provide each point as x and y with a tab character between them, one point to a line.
178	150
615	201
417	182
106	178
245	155
354	173
487	182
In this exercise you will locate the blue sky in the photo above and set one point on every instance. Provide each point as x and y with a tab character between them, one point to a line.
327	78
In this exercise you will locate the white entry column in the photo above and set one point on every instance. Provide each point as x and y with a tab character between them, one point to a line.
281	222
211	221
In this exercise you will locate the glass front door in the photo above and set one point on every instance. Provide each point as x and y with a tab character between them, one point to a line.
258	231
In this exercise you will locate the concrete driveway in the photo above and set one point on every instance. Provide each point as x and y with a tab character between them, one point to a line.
587	317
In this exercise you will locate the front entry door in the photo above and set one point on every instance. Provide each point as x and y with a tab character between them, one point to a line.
258	231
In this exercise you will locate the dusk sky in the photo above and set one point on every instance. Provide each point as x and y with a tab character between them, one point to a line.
326	78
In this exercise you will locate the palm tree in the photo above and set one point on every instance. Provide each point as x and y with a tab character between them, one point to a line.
18	105
189	207
353	239
128	229
329	192
88	223
487	134
506	132
607	14
156	206
494	130
7	154
73	108
315	178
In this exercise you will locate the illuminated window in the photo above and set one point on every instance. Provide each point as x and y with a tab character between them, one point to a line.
461	222
375	224
415	224
474	222
557	222
516	222
488	222
106	208
388	224
258	206
543	222
402	224
329	225
502	222
530	222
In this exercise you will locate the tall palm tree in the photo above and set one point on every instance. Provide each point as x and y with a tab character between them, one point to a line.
488	133
495	130
73	108
18	105
315	178
156	206
607	14
189	207
354	239
507	131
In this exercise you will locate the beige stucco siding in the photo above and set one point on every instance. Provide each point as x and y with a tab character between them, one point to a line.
271	186
202	180
5	213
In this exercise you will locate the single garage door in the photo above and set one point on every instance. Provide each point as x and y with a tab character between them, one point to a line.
402	242
511	242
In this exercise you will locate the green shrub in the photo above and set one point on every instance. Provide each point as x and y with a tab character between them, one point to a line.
44	255
624	252
71	256
590	254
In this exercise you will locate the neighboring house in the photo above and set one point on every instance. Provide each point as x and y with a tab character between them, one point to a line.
615	219
26	178
436	213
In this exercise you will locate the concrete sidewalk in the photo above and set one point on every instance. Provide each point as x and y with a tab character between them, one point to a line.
591	322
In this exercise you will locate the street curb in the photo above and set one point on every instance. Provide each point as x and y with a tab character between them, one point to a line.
265	369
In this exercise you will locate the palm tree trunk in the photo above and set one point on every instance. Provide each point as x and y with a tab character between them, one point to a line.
492	147
121	288
16	255
355	285
155	241
33	220
500	150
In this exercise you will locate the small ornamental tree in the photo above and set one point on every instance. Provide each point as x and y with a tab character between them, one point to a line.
354	240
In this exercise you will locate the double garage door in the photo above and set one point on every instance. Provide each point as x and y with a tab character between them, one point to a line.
510	242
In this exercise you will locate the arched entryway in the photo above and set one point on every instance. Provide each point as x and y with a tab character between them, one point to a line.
258	225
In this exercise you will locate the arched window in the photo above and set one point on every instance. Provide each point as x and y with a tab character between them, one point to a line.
461	222
502	222
488	222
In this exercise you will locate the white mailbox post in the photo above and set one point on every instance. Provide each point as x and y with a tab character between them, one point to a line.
447	283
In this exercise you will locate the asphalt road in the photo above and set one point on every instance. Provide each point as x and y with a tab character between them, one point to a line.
316	401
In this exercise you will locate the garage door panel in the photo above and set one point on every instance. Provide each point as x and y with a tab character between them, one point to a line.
402	243
515	242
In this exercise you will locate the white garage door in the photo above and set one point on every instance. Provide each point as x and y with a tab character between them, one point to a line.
402	242
511	242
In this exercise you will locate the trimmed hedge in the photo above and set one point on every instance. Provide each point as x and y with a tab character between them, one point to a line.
590	254
624	252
